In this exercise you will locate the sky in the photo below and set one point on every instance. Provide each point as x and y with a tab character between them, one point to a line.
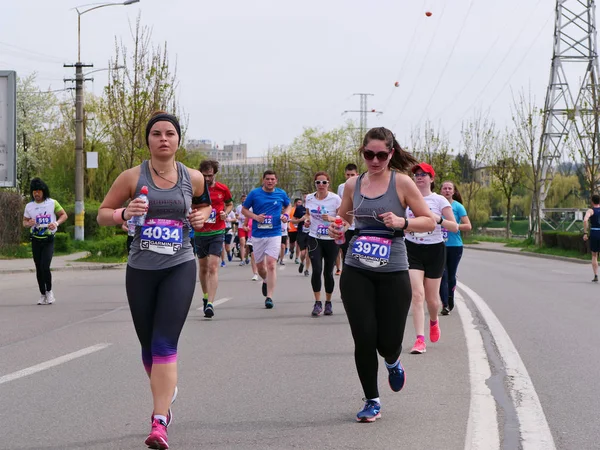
261	71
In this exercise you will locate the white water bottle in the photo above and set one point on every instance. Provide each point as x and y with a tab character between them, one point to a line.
339	224
140	220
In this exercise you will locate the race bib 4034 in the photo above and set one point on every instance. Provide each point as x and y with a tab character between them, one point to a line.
162	236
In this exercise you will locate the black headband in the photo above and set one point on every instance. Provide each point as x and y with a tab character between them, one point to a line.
166	118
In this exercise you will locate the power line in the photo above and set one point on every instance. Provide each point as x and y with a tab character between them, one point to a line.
462	27
33	52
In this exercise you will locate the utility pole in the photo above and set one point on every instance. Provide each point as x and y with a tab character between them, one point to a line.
79	169
574	66
363	112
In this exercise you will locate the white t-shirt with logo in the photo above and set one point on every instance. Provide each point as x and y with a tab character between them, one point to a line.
317	208
240	217
436	204
44	214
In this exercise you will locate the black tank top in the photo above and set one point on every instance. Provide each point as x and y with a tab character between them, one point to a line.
595	220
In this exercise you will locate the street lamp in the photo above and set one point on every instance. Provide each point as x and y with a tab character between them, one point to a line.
79	80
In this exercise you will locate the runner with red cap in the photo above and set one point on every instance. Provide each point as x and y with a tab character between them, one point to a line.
427	257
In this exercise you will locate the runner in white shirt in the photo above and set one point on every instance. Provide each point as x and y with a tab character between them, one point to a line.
321	209
242	231
427	258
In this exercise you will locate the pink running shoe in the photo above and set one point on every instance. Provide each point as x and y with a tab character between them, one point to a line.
157	439
419	347
434	332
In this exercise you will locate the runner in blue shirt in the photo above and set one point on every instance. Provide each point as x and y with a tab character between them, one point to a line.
454	245
270	207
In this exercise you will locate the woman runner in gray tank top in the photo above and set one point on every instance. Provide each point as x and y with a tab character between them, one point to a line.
161	270
375	285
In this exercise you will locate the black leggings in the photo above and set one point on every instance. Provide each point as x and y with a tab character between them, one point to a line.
377	306
159	301
43	250
323	254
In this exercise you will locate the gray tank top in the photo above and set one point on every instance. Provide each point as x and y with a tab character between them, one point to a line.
164	241
374	247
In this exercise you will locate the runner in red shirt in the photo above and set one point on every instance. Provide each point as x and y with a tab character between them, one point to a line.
209	239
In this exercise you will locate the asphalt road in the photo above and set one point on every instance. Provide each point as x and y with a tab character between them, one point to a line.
279	379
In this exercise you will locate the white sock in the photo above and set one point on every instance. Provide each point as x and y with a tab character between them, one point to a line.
159	417
370	399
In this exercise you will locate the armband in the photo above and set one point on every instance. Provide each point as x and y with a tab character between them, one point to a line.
118	215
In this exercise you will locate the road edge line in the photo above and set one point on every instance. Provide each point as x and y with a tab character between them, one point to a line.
533	426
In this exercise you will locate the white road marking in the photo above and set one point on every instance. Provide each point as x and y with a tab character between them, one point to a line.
52	363
482	426
534	428
216	302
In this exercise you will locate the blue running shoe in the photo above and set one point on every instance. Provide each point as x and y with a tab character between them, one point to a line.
269	303
222	263
396	377
370	412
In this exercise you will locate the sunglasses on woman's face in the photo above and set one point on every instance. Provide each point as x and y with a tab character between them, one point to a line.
318	182
370	154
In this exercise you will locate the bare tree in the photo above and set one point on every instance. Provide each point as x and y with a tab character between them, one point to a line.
507	170
433	147
144	85
527	119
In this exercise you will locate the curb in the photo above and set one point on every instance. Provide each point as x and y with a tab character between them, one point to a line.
532	255
69	268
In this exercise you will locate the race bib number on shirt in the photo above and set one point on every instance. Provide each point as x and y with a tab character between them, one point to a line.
267	224
322	230
372	251
444	234
42	220
213	217
162	236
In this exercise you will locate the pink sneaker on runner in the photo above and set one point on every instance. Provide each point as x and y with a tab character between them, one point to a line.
157	439
434	332
419	347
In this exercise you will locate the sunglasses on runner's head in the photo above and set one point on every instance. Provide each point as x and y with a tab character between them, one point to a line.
370	154
318	182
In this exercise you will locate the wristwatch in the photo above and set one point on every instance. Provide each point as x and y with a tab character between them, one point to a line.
441	220
405	224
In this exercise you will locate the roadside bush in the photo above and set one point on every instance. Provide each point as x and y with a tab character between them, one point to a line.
565	240
11	218
113	246
550	238
62	243
91	229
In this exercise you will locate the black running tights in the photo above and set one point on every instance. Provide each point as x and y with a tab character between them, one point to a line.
159	301
43	250
322	253
377	306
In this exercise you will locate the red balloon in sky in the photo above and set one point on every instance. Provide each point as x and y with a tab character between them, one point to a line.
428	13
372	110
397	83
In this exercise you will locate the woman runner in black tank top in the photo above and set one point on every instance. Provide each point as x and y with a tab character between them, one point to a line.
591	232
376	298
161	271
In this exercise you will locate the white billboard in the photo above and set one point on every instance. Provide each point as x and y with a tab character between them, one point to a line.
8	129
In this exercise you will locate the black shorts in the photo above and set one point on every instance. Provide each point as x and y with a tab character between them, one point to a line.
302	240
228	238
594	243
284	240
429	258
293	235
209	245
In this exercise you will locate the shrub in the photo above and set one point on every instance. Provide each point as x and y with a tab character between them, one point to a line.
62	242
113	246
11	218
550	238
91	229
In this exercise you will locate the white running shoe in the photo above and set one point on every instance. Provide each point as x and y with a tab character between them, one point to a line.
42	300
255	277
50	297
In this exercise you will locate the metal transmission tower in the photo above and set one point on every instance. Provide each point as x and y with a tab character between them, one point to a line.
363	112
574	65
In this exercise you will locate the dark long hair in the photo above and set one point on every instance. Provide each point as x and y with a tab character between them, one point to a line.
401	160
456	196
37	184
